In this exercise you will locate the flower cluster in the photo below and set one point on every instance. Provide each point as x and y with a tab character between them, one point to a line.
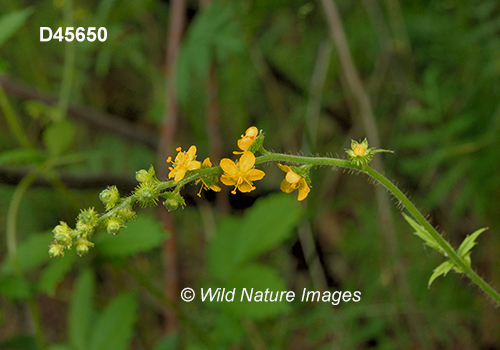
239	174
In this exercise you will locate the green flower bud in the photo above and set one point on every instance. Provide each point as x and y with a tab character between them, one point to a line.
109	197
56	250
173	200
146	176
83	246
63	235
147	194
360	154
114	225
141	175
257	143
127	214
87	220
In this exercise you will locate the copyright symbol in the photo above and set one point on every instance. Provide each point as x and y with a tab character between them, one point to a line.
187	294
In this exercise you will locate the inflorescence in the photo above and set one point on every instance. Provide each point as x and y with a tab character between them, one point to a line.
240	173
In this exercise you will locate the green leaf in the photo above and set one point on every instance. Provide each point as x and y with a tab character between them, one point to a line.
265	225
81	311
269	222
59	136
142	235
15	287
421	232
213	34
55	272
11	22
31	253
260	278
115	326
442	269
469	242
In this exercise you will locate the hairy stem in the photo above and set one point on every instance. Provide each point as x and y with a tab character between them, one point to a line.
335	162
450	252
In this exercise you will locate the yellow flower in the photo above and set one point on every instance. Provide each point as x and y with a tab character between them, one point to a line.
240	174
247	139
210	180
293	181
184	161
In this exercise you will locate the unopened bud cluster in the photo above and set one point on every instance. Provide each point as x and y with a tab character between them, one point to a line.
65	237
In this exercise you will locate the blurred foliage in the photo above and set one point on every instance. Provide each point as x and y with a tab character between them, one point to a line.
431	68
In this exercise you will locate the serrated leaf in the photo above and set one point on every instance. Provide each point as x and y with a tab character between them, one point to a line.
55	272
115	326
59	136
11	22
421	232
469	242
142	235
442	269
81	311
259	277
265	225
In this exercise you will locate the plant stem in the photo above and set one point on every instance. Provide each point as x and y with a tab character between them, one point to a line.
11	233
335	162
450	252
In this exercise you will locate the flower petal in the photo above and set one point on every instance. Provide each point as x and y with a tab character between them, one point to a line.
247	161
207	162
191	153
228	180
255	174
180	175
252	132
193	165
228	166
303	190
285	168
245	186
292	177
285	187
215	188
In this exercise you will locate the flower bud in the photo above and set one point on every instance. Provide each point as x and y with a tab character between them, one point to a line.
127	214
63	234
257	143
56	250
173	200
109	197
141	175
360	154
114	225
87	220
147	194
83	246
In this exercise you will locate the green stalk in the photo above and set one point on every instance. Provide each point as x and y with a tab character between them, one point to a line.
450	252
335	162
11	233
